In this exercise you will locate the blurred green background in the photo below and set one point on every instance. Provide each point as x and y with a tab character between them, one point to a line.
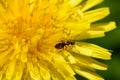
110	41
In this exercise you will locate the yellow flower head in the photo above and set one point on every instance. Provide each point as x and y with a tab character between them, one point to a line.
38	39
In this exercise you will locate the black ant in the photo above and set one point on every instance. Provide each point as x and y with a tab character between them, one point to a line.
62	44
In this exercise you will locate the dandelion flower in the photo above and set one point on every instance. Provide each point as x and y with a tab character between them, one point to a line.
30	29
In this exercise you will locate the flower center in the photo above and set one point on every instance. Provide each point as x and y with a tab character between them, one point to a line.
23	29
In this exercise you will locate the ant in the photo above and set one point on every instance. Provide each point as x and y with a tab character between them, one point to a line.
62	44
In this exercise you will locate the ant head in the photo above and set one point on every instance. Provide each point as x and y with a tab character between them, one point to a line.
70	42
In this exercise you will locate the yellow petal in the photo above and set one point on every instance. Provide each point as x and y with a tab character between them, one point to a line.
82	50
2	72
4	56
88	62
19	71
89	34
97	51
68	57
65	69
4	34
54	72
13	7
10	69
87	73
17	49
95	15
77	26
75	2
89	4
23	57
104	26
33	70
37	36
44	72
